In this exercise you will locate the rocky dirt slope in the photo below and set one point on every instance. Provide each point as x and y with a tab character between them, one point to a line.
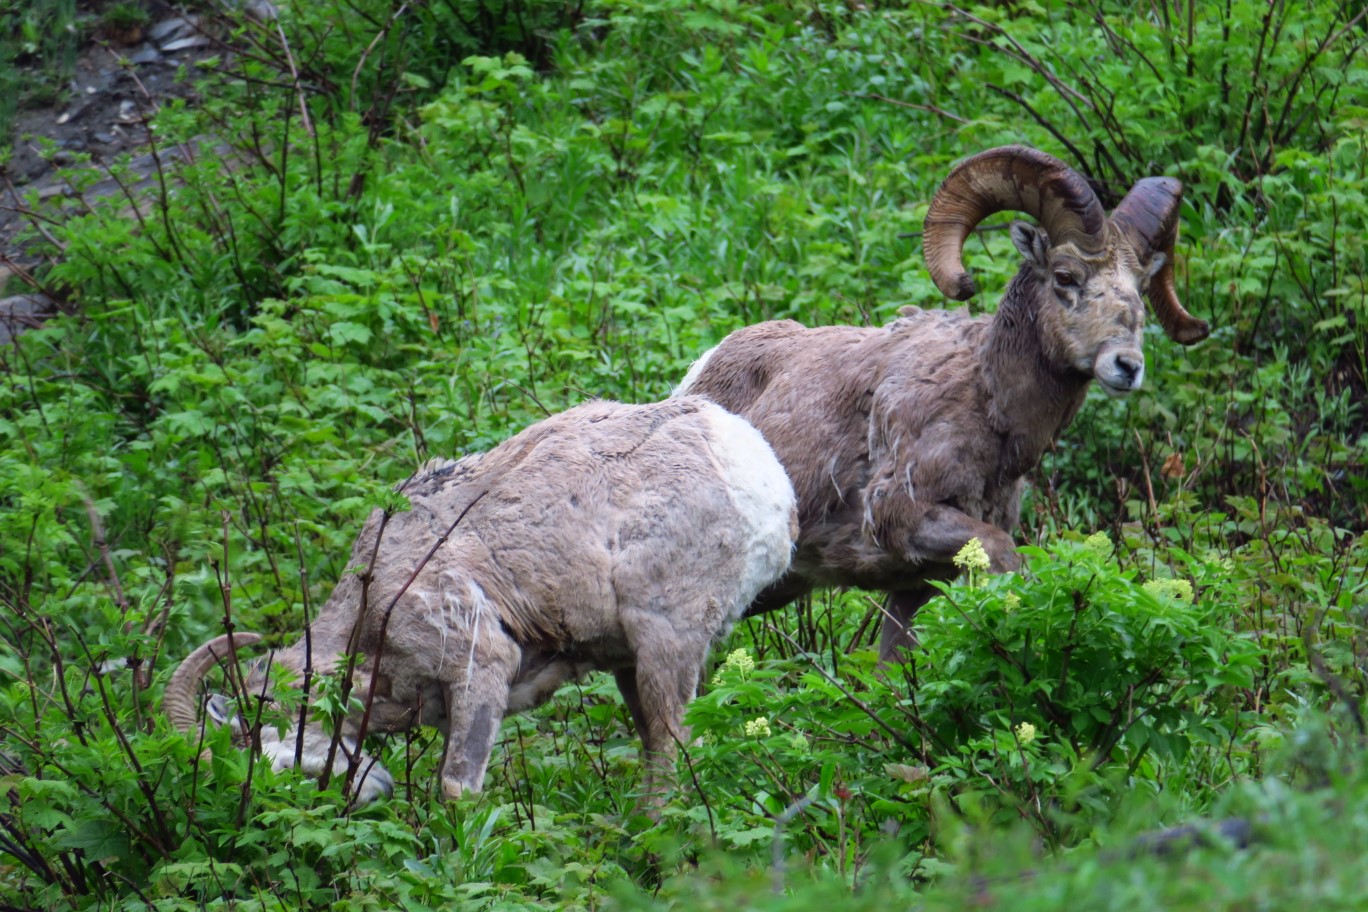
121	79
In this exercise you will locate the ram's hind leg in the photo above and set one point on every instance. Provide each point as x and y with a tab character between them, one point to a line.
668	663
627	683
477	699
657	697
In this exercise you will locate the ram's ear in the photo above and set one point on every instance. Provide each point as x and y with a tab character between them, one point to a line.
220	710
1032	242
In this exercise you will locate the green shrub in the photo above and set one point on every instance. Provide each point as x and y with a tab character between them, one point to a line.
1047	696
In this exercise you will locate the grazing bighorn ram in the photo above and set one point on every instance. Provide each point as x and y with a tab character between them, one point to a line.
907	440
618	537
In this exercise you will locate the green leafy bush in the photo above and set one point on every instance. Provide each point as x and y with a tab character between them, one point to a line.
1083	654
1047	695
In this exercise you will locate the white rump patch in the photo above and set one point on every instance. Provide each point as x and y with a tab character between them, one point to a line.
763	495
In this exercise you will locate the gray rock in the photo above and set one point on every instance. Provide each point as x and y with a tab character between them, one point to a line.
100	81
173	29
183	44
105	138
23	312
79	108
144	55
261	10
30	170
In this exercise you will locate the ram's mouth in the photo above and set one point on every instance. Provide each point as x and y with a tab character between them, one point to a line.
1114	391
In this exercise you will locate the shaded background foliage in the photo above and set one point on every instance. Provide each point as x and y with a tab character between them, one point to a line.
407	230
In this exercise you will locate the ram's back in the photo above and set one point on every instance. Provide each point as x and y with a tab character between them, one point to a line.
598	509
862	391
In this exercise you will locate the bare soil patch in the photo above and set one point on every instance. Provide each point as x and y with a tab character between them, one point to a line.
122	77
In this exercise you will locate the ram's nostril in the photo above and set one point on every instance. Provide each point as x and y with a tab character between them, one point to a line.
1129	367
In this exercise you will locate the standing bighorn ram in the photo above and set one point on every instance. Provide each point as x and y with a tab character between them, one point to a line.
617	537
905	441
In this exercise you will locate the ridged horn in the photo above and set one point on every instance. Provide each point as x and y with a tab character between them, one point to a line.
1008	178
1148	219
179	700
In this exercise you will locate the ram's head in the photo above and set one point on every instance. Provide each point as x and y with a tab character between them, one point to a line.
1089	269
308	747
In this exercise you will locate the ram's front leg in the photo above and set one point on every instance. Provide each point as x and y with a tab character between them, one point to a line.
939	532
932	536
477	698
897	636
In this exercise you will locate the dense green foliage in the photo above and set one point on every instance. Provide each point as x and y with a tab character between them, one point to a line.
409	231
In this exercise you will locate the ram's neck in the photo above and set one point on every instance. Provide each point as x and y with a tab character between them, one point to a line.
330	632
1032	398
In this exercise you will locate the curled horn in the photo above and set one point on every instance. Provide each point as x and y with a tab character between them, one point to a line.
1148	218
179	701
1008	178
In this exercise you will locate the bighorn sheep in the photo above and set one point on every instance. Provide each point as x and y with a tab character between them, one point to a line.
628	538
905	441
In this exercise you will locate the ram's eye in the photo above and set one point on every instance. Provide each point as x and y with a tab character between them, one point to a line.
1064	279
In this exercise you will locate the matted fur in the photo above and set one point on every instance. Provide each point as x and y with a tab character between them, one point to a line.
628	538
905	441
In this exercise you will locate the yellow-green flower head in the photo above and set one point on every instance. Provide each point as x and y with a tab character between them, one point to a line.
738	663
758	727
799	743
972	556
741	660
1025	732
1214	559
1178	589
1098	544
1011	602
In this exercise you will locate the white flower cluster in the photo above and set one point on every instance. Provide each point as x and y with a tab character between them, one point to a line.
741	660
1098	544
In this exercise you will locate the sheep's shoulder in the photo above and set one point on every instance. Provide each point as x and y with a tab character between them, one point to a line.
929	422
936	331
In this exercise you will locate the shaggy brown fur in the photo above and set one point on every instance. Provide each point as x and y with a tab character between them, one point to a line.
617	537
905	441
